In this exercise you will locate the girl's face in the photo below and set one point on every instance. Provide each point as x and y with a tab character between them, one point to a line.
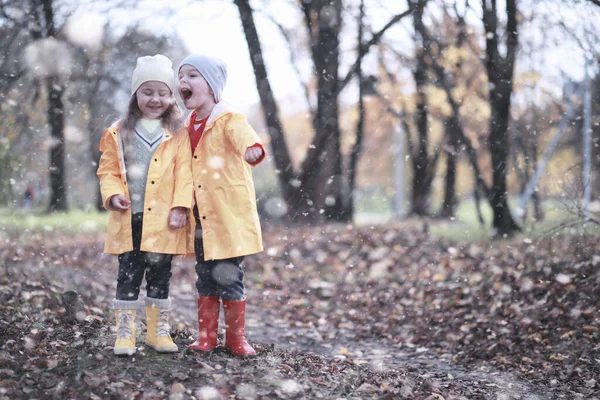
194	89
153	99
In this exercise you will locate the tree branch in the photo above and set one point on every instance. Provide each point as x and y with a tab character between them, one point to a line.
309	27
403	120
441	76
366	46
490	23
293	62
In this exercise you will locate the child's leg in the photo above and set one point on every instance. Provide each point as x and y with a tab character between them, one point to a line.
158	274
157	321
131	265
129	280
208	297
158	304
125	315
125	304
229	277
205	283
220	278
130	276
234	306
208	324
208	306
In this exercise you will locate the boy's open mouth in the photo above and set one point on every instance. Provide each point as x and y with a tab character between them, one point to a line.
186	93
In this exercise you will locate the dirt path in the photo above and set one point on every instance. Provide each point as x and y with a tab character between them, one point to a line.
380	356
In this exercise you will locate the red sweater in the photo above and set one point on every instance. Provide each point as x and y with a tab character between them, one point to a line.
196	128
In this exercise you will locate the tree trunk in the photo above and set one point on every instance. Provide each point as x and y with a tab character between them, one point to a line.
596	135
499	146
449	204
55	113
500	72
293	194
95	134
58	190
321	172
360	125
538	210
524	172
6	194
421	184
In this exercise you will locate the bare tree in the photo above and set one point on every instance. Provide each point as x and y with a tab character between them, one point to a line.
360	125
423	167
455	132
500	71
43	27
13	33
319	191
286	175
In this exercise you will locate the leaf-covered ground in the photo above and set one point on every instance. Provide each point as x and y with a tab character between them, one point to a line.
385	312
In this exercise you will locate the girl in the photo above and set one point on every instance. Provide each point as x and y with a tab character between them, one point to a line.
146	183
224	148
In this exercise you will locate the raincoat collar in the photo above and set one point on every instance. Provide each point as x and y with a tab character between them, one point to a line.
222	108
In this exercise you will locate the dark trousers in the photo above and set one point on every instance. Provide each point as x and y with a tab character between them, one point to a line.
133	265
221	278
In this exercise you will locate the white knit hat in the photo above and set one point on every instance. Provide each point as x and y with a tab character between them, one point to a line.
153	68
212	69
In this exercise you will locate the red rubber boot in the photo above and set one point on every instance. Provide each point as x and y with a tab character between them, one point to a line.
235	339
208	324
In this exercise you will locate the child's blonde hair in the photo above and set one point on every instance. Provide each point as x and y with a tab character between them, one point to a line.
172	118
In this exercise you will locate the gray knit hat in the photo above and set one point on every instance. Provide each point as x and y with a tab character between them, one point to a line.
212	69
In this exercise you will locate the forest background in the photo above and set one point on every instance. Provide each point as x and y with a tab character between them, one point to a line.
370	110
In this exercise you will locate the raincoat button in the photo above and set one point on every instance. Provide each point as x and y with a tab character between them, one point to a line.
149	209
199	186
153	182
203	217
156	160
195	156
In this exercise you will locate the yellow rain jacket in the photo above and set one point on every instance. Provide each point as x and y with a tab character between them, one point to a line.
169	185
223	186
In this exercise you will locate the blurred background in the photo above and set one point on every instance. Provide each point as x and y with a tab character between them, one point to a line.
485	111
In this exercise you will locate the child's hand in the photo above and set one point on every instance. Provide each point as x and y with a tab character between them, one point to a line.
120	203
177	217
253	154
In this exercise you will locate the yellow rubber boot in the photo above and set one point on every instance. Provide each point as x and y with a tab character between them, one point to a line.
157	321
125	314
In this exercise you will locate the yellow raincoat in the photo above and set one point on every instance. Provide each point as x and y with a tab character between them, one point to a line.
223	186
169	185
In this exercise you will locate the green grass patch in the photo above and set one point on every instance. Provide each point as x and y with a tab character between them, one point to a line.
374	207
18	221
558	220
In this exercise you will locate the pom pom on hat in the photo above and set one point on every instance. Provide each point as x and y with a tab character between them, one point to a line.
212	69
153	68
